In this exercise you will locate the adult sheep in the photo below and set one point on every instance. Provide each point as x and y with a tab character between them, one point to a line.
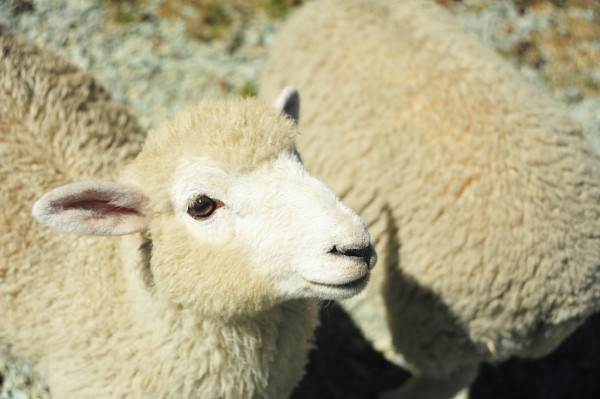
481	195
228	242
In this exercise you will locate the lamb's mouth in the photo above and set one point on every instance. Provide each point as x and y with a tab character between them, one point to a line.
352	285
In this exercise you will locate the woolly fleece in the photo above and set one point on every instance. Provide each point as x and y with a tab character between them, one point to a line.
136	316
481	194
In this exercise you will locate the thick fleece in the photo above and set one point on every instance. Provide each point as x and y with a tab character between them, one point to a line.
482	195
203	297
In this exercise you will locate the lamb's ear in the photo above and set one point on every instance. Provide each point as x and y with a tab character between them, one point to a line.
95	208
288	103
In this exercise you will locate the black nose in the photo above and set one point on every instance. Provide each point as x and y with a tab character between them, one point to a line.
367	254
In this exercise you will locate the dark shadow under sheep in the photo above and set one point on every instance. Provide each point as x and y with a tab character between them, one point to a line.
345	366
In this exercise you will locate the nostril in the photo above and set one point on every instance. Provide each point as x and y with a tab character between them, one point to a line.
365	253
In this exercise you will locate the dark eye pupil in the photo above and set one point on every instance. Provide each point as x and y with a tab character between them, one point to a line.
202	207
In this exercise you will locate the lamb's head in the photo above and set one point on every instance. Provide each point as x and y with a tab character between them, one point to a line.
235	220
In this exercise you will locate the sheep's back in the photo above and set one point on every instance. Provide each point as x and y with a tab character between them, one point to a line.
481	193
57	125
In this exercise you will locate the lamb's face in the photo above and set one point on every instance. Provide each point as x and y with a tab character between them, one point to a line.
250	239
236	222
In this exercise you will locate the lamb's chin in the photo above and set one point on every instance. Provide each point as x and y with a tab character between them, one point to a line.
330	291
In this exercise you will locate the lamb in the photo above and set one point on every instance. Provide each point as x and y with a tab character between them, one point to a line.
220	243
480	193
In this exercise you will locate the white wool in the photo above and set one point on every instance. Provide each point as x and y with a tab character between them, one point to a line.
481	194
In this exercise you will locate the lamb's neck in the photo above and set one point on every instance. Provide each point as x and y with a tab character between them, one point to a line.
244	356
262	355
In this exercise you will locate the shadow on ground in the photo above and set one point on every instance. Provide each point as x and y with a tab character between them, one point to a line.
345	366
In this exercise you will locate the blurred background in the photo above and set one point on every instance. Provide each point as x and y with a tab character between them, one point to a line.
156	56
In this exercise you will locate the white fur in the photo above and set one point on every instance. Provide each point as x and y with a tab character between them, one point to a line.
279	196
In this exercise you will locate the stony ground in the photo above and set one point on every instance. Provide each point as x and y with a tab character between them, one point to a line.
158	55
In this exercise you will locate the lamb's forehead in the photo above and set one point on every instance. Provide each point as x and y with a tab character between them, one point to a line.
235	134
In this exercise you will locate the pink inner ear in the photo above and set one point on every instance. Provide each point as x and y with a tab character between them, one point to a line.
98	202
96	205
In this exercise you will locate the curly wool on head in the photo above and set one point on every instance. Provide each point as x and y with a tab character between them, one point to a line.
481	194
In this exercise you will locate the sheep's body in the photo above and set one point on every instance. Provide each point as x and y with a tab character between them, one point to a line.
177	310
481	194
57	125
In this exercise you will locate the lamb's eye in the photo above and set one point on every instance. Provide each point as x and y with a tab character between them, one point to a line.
203	207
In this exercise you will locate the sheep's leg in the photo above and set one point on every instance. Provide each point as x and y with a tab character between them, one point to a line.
425	387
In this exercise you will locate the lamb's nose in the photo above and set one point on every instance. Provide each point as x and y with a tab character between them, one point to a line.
366	253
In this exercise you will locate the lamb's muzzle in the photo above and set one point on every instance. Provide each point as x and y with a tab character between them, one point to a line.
348	273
